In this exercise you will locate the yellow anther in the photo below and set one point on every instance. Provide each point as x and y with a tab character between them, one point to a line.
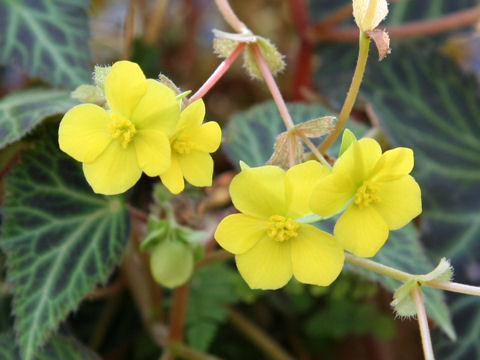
122	129
281	228
367	194
182	146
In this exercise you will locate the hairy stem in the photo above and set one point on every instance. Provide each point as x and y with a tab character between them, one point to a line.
377	267
218	73
423	324
364	44
230	17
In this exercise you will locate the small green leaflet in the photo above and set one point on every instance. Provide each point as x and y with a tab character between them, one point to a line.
47	38
59	347
60	239
23	110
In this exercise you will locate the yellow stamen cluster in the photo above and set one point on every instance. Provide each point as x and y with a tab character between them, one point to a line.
281	228
182	146
367	194
122	129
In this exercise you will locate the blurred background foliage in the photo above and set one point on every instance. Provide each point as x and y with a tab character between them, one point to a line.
59	240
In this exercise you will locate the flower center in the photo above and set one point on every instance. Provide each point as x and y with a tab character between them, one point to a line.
280	228
367	194
182	146
122	129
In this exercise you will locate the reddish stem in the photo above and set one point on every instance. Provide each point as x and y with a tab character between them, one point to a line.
408	30
302	74
179	310
218	73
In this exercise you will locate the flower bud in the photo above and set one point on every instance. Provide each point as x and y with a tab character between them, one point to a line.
369	20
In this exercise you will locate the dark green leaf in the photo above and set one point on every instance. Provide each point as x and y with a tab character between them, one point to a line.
425	102
60	239
58	348
250	135
47	38
211	288
21	111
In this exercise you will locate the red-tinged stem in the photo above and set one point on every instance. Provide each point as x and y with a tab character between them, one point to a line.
272	86
230	17
300	15
218	73
423	324
302	74
409	30
179	310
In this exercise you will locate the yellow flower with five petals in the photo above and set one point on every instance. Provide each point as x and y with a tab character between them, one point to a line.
191	145
116	146
378	191
269	242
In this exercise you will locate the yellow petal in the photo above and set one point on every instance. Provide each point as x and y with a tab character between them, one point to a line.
197	168
299	182
400	202
237	233
157	110
393	164
362	231
360	9
83	133
116	170
267	265
207	137
331	194
192	116
259	192
317	257
153	151
173	177
359	160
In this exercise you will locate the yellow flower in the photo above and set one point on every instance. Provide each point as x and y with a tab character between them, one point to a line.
268	242
190	147
364	19
116	146
380	195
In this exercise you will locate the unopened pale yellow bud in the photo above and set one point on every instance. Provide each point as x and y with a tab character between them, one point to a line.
369	20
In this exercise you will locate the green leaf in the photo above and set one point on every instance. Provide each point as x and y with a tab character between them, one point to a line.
60	239
425	102
59	347
250	135
21	111
211	288
46	38
466	312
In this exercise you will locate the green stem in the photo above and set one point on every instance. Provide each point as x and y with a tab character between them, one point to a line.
364	44
257	336
378	268
181	350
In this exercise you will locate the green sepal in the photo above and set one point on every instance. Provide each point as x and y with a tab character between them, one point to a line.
403	303
89	94
224	42
348	138
157	230
243	165
100	74
272	56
